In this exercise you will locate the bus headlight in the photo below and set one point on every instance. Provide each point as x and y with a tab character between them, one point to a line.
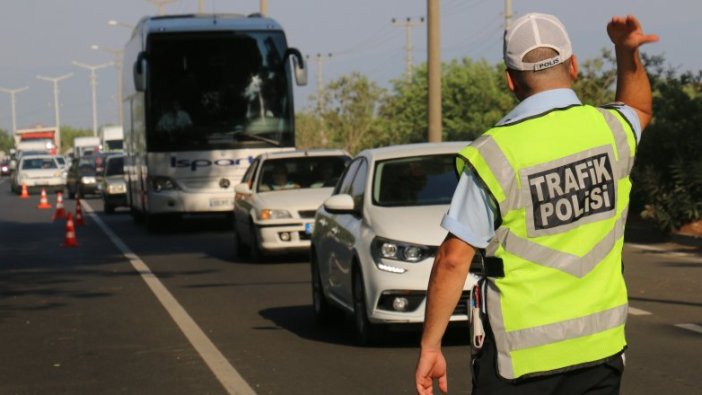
160	184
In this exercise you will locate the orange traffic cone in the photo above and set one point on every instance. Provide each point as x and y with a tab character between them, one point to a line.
70	240
44	202
60	212
79	213
25	193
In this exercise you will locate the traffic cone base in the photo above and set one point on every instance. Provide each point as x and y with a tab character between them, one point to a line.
70	240
25	193
44	202
60	212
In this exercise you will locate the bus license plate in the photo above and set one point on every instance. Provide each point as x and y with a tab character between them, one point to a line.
217	203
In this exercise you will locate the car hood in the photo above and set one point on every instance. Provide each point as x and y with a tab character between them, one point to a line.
293	199
418	224
115	180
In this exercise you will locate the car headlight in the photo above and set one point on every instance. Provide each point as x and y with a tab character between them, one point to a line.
159	184
273	214
382	248
87	180
115	188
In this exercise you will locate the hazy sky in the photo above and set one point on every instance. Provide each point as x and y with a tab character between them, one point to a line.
45	36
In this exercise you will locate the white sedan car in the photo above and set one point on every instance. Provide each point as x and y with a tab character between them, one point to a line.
37	172
375	239
275	204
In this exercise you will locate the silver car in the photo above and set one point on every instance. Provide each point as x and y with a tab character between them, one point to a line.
375	238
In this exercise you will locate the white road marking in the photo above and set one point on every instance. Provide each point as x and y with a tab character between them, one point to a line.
690	327
218	364
635	311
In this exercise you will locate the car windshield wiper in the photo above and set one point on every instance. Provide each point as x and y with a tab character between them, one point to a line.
257	137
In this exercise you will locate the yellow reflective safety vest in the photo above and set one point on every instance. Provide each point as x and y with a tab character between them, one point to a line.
561	182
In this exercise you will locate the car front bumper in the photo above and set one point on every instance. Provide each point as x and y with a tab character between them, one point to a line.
289	236
384	286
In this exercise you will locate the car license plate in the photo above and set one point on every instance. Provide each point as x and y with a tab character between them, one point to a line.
308	228
221	202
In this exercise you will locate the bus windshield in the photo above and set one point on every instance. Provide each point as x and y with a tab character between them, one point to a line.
222	90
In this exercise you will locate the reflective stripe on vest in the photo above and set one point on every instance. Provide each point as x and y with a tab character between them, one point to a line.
562	302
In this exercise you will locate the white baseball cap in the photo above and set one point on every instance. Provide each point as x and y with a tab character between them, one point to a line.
535	30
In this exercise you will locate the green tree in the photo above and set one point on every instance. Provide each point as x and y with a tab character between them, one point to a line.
668	171
596	78
474	98
349	118
6	141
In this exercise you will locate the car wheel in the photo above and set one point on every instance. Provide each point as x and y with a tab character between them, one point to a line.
256	252
322	309
240	249
367	333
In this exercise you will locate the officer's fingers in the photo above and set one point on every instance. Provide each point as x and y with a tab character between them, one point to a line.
443	383
649	38
424	386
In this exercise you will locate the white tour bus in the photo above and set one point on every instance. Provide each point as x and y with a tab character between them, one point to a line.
203	96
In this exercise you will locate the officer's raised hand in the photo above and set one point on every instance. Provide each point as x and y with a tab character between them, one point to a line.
626	32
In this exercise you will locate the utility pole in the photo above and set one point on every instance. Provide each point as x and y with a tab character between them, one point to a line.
161	4
93	86
408	25
320	59
57	117
12	93
508	13
263	7
434	70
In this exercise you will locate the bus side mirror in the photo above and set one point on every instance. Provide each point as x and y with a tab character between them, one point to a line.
140	72
299	66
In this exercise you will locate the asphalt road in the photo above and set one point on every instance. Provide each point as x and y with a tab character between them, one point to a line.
178	314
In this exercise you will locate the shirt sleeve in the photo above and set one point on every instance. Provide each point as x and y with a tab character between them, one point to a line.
471	217
630	115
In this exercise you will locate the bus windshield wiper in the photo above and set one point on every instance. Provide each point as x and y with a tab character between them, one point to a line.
257	137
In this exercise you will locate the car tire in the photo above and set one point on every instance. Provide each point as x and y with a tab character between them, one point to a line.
322	309
240	249
367	333
255	251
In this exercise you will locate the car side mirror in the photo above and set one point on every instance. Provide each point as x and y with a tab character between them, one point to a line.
340	204
243	189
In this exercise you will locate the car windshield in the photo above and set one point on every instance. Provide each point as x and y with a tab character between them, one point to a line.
416	181
39	163
115	166
299	173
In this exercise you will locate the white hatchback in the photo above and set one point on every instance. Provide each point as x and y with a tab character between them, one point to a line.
375	239
275	204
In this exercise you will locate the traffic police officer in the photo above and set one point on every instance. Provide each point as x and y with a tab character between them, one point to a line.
545	195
